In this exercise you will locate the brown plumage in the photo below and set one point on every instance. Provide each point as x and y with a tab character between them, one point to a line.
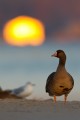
59	82
4	94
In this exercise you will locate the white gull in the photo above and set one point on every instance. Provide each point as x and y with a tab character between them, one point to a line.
23	91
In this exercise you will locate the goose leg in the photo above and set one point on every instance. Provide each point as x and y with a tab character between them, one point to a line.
54	99
65	98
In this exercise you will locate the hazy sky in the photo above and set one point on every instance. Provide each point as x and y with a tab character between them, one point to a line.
21	64
18	65
60	17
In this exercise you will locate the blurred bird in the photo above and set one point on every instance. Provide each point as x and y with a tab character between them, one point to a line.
23	91
59	82
0	88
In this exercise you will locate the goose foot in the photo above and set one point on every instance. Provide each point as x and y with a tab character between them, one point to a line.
54	99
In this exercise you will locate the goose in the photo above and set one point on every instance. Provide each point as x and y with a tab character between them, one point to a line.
59	82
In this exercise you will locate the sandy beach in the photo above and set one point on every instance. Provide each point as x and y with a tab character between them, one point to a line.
18	109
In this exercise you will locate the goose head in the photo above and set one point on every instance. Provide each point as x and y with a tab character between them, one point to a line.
61	55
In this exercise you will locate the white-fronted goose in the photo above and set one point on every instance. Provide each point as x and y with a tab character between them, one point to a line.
59	82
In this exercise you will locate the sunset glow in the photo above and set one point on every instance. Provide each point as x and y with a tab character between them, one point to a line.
23	30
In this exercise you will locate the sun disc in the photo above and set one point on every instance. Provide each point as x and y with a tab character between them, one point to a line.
23	30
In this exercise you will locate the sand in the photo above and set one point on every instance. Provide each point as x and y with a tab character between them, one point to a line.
19	109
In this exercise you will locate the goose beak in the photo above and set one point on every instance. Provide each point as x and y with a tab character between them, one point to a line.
54	55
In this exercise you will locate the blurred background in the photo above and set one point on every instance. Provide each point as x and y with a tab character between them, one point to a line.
26	57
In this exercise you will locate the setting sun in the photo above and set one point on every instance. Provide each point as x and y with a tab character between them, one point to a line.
23	30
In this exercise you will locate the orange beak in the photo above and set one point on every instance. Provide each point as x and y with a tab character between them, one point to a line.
54	55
